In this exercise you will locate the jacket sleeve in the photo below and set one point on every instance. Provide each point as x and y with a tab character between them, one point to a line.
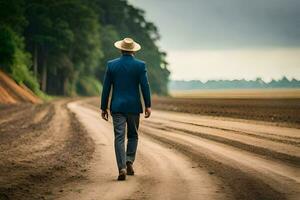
145	86
106	89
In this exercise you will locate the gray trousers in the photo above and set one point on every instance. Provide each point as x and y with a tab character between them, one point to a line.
120	122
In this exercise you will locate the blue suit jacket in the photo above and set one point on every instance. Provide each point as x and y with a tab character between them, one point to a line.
125	75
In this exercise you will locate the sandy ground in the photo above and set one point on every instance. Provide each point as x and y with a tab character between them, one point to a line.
180	156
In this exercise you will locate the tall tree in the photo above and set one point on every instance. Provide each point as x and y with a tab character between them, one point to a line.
128	21
70	42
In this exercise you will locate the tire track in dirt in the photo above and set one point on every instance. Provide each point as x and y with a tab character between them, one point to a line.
259	138
248	176
266	129
251	147
9	112
42	150
24	122
261	135
161	173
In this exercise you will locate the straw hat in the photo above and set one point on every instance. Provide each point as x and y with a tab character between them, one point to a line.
127	44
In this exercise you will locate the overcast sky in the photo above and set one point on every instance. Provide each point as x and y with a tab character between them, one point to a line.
228	39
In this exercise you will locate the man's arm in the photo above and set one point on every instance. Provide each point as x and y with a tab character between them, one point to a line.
105	93
145	91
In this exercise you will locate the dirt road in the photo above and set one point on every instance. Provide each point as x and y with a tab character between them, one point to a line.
184	156
180	156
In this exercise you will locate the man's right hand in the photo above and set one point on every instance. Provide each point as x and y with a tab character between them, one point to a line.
104	115
147	112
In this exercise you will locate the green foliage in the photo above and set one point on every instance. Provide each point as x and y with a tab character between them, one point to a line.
67	43
15	61
128	21
12	15
8	47
109	35
88	86
234	84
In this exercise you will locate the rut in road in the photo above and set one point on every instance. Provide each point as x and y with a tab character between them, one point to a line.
45	149
42	148
251	175
238	172
278	150
161	172
262	135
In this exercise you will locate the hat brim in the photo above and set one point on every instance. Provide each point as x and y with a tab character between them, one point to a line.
119	46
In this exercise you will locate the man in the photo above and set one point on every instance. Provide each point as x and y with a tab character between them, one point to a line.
126	75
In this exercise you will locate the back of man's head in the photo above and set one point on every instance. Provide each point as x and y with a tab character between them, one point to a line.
127	52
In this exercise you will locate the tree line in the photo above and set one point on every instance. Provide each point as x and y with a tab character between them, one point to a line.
61	46
234	84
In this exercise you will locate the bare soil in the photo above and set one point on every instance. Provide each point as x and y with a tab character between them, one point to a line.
11	92
191	156
283	111
42	148
64	150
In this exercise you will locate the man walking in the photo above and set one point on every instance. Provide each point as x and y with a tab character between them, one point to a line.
126	75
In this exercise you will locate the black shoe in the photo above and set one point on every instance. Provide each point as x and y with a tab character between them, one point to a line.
122	175
130	170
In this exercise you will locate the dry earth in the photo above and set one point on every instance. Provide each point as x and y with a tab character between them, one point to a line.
42	148
283	111
11	92
47	152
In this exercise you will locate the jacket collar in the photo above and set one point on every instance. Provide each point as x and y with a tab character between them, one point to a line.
127	56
